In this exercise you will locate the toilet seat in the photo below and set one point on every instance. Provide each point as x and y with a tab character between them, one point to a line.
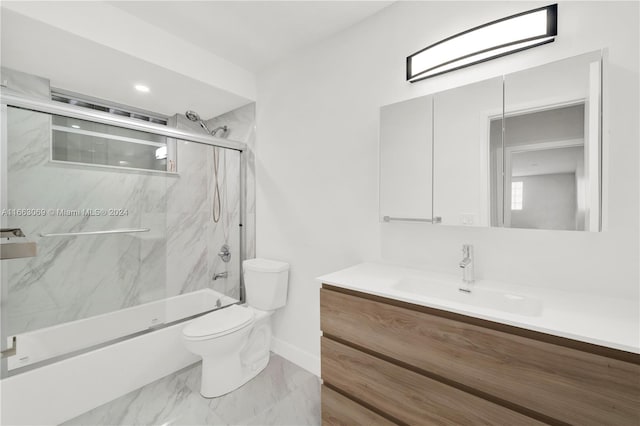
219	323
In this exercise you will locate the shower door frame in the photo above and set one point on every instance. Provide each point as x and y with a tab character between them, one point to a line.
9	99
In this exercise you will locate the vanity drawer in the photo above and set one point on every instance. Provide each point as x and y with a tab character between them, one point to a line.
339	410
554	381
406	395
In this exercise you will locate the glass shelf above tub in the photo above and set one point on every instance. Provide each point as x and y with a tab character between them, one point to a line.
86	143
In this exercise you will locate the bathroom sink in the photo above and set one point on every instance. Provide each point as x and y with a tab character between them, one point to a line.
478	297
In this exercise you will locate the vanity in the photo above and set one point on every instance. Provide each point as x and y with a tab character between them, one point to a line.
405	346
411	346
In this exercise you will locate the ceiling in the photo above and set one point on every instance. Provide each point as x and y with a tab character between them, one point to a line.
252	34
200	55
85	67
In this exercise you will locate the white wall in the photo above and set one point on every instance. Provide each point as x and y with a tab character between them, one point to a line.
316	157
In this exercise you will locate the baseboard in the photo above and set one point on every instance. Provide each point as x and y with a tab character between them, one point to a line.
292	353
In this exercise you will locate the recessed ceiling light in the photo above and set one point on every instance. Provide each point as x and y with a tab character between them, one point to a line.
142	88
161	153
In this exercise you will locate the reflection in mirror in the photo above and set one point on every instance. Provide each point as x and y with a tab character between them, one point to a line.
544	186
551	148
544	177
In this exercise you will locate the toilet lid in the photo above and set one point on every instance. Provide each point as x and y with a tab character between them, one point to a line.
221	321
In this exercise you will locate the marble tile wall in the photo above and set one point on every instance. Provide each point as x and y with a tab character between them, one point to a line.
77	277
194	239
242	127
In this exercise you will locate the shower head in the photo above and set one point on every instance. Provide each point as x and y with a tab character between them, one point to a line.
193	116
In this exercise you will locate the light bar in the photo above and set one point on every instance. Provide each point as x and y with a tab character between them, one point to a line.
498	38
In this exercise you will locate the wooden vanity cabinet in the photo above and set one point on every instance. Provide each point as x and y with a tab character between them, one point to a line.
391	361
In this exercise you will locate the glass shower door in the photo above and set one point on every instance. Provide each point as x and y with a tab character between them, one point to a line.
99	227
134	232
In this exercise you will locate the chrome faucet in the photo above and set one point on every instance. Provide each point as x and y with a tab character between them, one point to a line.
467	268
220	275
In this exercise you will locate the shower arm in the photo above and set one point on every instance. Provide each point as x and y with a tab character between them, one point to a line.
224	129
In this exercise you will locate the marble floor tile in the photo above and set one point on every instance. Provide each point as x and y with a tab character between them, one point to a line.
300	407
282	394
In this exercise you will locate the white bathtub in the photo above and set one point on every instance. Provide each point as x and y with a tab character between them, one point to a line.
60	391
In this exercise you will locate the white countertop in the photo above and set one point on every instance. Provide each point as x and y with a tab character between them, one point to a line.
601	320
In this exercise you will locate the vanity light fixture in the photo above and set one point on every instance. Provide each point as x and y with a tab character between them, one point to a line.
498	38
142	88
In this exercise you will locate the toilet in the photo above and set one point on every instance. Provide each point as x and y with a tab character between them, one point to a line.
234	342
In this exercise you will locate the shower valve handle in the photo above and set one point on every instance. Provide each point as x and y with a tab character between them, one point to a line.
225	253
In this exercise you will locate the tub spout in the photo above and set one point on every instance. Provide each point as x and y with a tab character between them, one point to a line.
220	275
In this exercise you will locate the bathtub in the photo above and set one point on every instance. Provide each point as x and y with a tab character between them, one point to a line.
62	390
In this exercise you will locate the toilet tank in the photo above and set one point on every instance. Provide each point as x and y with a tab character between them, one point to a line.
266	283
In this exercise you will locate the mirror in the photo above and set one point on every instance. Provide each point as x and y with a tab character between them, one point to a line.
520	150
552	146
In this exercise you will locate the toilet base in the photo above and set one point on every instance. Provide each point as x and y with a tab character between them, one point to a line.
221	377
224	374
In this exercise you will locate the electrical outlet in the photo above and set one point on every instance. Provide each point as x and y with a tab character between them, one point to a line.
467	219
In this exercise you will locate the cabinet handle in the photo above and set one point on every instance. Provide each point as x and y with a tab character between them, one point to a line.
435	220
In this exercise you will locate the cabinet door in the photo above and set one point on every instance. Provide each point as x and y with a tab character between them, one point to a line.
406	159
406	395
552	145
467	139
338	410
